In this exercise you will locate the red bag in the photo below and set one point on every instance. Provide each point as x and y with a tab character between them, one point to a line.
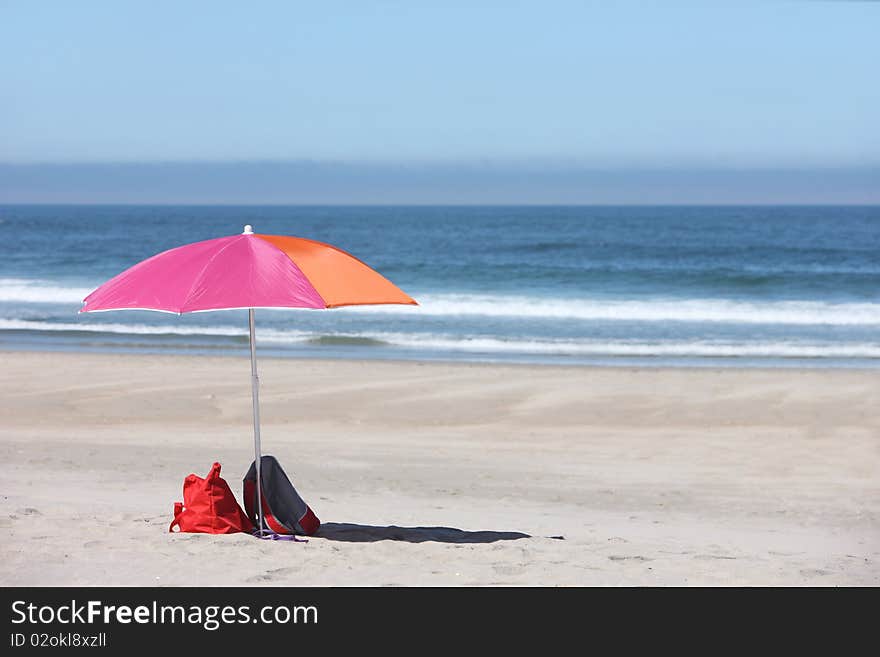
209	507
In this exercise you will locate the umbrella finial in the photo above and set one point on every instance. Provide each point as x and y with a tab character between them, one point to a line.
248	230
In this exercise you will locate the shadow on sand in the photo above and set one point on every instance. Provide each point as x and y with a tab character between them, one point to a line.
351	533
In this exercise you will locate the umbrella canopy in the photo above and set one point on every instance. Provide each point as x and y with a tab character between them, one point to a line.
246	271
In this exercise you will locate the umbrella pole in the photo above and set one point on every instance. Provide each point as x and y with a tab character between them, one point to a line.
255	393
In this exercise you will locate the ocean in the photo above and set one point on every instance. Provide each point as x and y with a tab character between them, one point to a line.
632	286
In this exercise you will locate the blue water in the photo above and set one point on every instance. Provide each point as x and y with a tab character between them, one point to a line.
730	286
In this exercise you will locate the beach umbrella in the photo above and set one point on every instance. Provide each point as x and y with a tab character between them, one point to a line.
246	272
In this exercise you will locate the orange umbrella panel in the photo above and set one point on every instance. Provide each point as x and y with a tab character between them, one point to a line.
339	277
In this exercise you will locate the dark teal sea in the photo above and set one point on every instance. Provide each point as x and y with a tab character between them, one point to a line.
729	286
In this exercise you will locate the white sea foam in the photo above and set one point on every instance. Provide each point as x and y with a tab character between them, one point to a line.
686	310
774	349
491	345
124	329
40	291
803	313
778	349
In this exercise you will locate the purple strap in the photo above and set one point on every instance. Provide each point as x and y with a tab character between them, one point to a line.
272	536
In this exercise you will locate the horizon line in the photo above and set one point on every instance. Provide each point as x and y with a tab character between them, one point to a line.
554	165
683	204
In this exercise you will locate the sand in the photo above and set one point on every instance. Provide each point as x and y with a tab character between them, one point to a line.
443	474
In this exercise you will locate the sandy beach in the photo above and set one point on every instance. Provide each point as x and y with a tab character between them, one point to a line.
443	474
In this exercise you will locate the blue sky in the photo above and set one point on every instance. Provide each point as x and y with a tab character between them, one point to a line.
565	84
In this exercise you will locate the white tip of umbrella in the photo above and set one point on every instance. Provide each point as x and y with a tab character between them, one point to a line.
248	230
